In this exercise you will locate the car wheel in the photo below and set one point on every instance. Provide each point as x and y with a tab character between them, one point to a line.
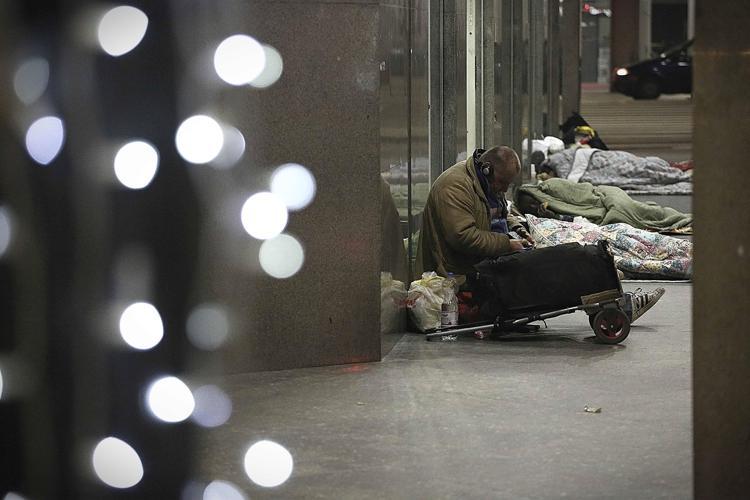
648	89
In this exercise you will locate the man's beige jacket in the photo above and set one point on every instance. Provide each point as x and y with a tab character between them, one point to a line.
456	224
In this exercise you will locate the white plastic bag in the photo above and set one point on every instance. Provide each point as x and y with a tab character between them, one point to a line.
536	145
549	145
424	301
554	145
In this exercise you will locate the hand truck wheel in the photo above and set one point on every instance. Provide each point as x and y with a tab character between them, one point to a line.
611	326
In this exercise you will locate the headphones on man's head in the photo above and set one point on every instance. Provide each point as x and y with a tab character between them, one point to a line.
487	168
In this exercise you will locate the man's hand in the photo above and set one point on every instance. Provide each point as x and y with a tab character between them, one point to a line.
518	245
523	233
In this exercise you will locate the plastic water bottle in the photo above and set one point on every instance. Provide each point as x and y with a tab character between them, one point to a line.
449	309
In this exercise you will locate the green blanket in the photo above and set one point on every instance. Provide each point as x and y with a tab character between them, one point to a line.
606	205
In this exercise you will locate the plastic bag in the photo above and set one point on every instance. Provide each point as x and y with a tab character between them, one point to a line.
549	145
554	145
392	297
424	301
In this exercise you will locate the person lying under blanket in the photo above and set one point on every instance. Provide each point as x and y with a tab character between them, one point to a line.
632	173
562	199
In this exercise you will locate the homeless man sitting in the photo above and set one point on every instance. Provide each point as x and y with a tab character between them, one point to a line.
466	220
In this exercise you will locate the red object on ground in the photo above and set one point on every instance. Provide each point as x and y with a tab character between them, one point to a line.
682	165
468	311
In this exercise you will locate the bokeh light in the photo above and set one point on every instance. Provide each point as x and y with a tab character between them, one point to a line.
294	184
136	164
1	382
170	400
268	464
6	230
141	326
282	256
207	327
31	79
272	70
264	215
121	30
232	149
212	406
45	139
239	59
117	464
199	139
222	490
13	496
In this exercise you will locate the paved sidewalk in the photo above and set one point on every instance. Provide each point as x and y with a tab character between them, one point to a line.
479	419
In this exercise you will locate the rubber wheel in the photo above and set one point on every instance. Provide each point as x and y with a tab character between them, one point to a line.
591	320
611	326
648	89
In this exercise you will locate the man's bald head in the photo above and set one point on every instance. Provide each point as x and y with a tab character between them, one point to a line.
505	167
502	158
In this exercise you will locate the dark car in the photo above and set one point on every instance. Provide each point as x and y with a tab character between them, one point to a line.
670	73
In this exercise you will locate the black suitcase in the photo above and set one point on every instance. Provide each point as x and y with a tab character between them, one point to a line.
548	279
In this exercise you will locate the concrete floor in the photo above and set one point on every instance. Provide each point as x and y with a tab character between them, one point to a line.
478	419
681	202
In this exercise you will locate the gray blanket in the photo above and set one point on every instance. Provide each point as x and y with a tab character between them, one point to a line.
634	174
